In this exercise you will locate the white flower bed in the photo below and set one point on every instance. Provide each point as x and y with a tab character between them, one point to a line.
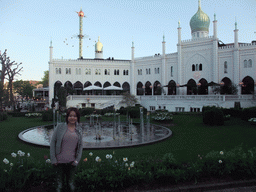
162	116
32	115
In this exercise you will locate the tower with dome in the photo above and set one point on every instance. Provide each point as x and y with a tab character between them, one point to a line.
203	71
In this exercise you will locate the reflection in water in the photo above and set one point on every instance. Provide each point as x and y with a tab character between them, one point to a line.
104	135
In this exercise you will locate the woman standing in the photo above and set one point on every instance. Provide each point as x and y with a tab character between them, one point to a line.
66	148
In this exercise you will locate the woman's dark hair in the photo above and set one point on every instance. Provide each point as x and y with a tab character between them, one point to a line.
76	111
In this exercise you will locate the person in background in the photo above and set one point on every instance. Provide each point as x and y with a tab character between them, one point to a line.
66	149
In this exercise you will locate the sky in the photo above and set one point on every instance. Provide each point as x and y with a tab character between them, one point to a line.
28	26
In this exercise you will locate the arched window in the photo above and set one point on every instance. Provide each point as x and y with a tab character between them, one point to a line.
106	71
158	70
117	72
149	71
141	71
193	67
171	71
225	67
114	72
200	67
69	70
245	63
123	72
155	70
127	72
138	72
57	71
146	71
249	63
196	67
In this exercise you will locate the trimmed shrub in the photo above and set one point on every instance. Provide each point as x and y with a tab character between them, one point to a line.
213	116
3	116
86	111
17	114
248	113
47	115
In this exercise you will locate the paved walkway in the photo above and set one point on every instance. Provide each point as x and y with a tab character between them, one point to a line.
238	189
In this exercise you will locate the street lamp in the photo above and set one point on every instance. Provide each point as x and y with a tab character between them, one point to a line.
151	87
143	87
198	85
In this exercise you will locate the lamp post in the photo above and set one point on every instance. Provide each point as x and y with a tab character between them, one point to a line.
177	91
198	86
88	100
221	85
151	87
143	87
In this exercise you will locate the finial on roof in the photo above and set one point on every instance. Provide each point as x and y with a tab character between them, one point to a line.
214	16
163	37
199	4
179	24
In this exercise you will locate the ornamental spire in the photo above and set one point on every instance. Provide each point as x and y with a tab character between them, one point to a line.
199	4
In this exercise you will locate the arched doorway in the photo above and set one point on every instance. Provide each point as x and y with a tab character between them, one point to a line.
68	86
157	88
172	88
107	84
203	87
140	90
126	87
226	86
78	87
148	88
248	85
57	86
191	87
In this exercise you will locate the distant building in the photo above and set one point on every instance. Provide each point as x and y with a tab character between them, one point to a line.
201	72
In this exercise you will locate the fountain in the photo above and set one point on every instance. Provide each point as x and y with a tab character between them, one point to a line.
97	134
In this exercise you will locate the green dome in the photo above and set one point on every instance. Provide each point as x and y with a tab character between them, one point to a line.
200	21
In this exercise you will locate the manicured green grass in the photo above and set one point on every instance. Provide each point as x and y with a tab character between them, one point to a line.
190	138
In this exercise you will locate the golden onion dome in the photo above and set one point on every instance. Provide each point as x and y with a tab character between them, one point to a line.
98	46
200	21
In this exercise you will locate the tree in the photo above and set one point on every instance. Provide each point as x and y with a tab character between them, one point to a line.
8	68
12	70
129	99
23	88
45	79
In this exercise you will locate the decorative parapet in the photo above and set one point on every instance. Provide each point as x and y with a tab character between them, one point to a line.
197	39
199	97
92	60
227	47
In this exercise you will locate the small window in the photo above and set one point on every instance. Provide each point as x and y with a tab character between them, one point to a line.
117	72
249	63
114	72
69	70
196	67
225	67
106	72
57	71
245	63
200	67
193	67
149	71
171	71
124	72
158	70
127	72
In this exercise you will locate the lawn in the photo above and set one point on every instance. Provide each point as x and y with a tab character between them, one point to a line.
190	138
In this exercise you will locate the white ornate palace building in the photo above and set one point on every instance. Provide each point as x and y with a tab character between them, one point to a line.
200	73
